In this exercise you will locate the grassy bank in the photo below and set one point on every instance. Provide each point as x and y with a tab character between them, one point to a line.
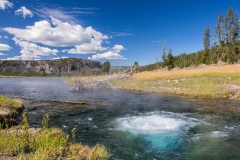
22	142
205	82
9	109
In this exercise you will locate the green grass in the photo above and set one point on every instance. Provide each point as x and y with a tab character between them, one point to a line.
10	103
206	85
8	110
45	143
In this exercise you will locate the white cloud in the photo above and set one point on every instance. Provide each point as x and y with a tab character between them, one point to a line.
5	4
1	54
6	37
156	41
24	11
64	14
55	58
58	13
62	34
64	57
4	47
117	48
112	54
31	51
0	37
86	48
120	34
107	55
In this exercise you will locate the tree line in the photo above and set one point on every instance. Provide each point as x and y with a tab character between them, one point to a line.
225	48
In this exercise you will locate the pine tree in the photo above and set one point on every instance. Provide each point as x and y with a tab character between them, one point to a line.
229	22
170	60
206	39
164	50
235	30
219	28
106	67
206	43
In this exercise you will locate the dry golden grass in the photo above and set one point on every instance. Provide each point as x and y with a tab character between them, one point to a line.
205	81
189	71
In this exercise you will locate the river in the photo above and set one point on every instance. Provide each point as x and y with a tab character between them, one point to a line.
134	125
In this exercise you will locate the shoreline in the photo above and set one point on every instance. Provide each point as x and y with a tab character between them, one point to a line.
202	82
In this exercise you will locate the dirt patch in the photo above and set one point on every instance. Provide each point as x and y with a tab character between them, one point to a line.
4	111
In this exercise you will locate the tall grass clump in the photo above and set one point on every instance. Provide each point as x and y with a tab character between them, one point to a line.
45	143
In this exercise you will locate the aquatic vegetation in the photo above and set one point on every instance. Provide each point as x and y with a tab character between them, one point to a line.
23	142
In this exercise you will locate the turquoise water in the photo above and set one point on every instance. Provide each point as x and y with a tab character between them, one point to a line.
135	125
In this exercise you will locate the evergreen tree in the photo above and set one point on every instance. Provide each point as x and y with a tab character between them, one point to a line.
219	28
170	60
164	50
229	22
235	30
206	39
106	67
206	43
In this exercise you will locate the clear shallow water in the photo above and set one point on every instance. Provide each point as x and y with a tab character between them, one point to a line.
135	125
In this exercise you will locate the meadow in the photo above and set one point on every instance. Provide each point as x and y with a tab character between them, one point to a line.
211	81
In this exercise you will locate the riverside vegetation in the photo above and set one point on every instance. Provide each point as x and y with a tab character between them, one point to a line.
22	142
9	109
205	82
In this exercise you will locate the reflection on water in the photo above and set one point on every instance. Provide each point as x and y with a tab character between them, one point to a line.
135	125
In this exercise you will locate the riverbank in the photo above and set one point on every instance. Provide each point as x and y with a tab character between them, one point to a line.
23	142
204	82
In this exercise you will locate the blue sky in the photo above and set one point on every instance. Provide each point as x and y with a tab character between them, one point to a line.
120	31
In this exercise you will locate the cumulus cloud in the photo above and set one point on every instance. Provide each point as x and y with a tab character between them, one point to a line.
5	4
30	51
61	34
117	48
112	54
4	47
107	55
6	37
2	54
24	11
93	47
56	33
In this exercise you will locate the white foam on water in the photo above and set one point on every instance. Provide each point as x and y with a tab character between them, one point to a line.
219	134
150	124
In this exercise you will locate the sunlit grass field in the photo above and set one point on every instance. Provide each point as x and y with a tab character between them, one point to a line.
205	82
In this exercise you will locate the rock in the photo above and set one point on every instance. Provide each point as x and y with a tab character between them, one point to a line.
67	65
4	111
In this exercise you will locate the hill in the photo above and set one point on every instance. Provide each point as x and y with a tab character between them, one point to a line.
67	65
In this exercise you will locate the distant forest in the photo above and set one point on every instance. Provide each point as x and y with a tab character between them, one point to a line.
225	48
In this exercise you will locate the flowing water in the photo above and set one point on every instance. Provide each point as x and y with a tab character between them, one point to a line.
134	125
